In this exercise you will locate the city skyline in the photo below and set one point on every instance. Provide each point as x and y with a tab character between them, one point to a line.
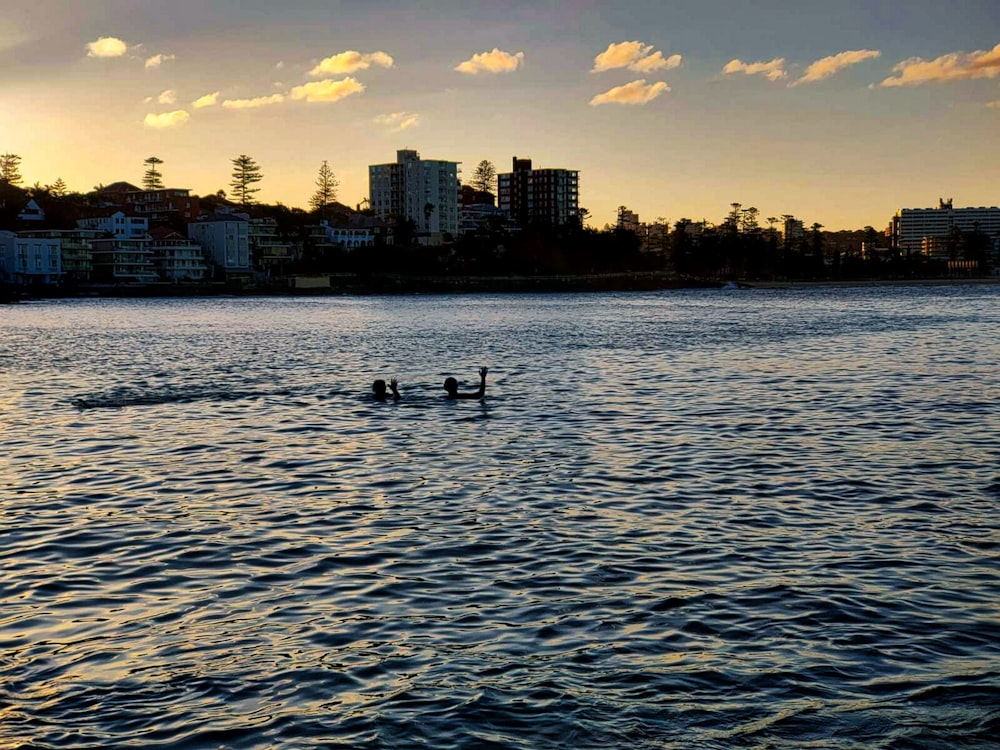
837	115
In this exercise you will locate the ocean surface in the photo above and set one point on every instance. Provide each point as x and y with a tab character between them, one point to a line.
687	519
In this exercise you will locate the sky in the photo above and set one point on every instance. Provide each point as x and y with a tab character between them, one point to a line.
835	112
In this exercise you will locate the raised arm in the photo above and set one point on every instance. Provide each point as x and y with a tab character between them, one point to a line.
394	387
482	382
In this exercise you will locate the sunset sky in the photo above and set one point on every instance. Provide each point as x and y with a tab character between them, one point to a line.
836	112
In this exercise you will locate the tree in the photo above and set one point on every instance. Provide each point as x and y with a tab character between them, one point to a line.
10	172
326	189
152	180
485	176
246	173
57	188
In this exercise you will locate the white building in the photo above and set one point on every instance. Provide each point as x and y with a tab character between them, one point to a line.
118	224
914	229
348	237
177	258
226	242
29	260
425	191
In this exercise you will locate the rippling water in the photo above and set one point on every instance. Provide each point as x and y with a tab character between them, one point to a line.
760	519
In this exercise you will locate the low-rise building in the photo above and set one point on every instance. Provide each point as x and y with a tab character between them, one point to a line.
76	248
176	258
28	261
225	238
119	260
270	254
116	223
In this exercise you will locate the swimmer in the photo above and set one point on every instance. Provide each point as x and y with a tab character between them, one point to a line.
378	388
451	386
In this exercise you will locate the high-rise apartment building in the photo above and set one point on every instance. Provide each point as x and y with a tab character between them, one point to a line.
539	196
425	191
914	229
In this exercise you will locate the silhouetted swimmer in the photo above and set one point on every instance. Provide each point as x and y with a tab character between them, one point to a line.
378	388
451	385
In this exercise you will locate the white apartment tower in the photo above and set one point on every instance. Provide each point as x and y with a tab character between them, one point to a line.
425	191
912	228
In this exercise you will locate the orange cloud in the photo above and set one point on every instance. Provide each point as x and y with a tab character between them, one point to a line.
496	61
166	119
635	56
107	46
773	70
350	62
208	100
955	66
828	66
398	120
260	101
636	92
157	60
328	90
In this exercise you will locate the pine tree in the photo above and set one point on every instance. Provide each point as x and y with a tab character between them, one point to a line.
58	188
246	173
326	189
10	172
153	179
484	177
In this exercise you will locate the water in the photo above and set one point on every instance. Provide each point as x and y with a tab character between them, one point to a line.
760	519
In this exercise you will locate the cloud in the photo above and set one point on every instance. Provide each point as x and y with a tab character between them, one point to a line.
107	46
328	90
636	92
208	100
828	66
260	101
774	69
167	97
955	66
496	61
349	62
166	119
398	120
635	56
157	60
993	105
279	65
655	61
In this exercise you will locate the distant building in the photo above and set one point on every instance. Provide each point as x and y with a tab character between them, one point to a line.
539	196
165	205
120	260
343	235
913	230
29	260
177	258
270	253
75	248
117	224
793	230
469	196
225	238
32	211
424	191
628	220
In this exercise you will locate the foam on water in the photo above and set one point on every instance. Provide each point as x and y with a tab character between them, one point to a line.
690	519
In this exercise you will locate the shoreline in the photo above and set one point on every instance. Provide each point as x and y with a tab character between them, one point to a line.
399	284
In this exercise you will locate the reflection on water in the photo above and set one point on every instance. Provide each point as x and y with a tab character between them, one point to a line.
690	519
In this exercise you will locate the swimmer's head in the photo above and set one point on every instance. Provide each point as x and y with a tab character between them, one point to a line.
378	387
451	385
